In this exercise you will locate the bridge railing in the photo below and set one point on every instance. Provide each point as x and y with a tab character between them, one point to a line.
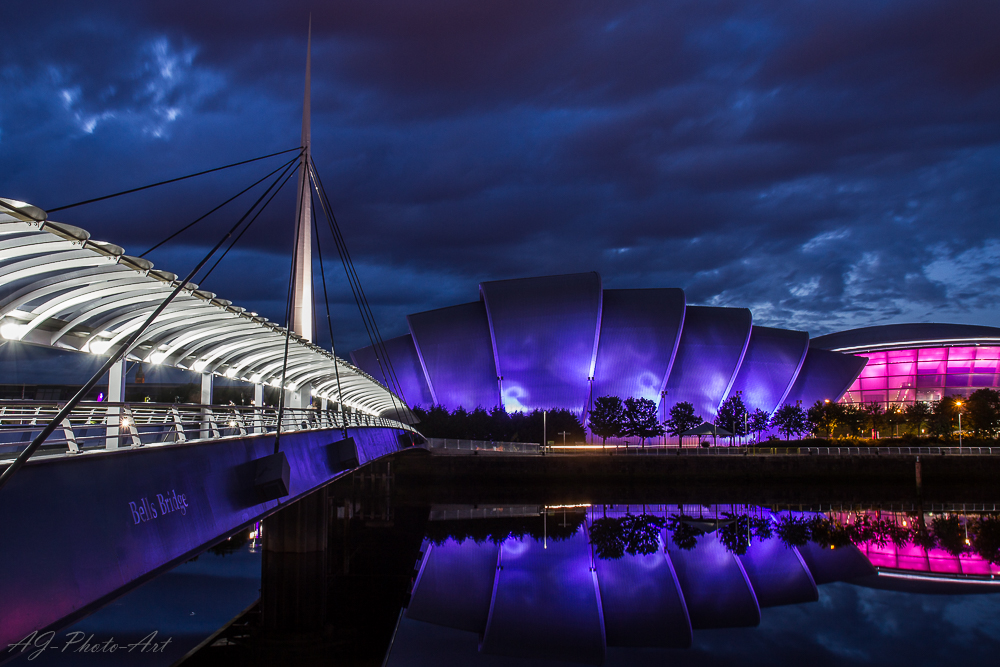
483	446
659	450
105	425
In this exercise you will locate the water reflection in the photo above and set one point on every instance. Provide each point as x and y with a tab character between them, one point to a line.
579	584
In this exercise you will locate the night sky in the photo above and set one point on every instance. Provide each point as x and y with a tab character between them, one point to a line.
828	165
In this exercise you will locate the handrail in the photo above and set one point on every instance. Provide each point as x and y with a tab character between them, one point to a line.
108	426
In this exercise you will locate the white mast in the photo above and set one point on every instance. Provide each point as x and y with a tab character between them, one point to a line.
302	291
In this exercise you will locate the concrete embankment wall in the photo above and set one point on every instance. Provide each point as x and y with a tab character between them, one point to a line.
495	478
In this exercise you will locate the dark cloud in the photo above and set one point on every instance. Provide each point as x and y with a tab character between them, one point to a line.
828	166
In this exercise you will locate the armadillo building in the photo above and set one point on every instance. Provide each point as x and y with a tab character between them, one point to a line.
562	341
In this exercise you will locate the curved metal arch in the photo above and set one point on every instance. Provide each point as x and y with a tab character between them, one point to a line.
134	318
107	305
180	344
79	296
100	295
224	355
167	321
55	284
232	331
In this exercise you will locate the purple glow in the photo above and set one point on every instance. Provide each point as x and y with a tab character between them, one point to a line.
545	333
640	330
824	375
770	366
456	351
925	374
455	585
711	347
405	366
545	602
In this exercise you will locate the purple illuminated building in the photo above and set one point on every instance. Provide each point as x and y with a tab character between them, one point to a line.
562	341
918	362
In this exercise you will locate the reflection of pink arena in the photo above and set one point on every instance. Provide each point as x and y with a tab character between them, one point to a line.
919	362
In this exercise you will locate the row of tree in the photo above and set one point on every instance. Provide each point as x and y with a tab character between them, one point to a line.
612	417
498	425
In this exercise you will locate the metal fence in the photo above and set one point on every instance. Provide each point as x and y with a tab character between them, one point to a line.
799	451
483	446
92	426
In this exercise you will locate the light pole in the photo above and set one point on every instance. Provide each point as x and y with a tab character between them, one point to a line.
545	437
958	404
563	434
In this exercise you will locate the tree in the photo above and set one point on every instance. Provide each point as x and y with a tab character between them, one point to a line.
732	415
917	416
640	419
682	418
944	416
790	420
983	412
853	419
874	417
607	419
894	417
825	416
758	422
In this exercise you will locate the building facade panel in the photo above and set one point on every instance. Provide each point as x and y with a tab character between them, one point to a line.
456	351
925	374
824	375
545	332
640	329
770	365
711	348
405	366
455	585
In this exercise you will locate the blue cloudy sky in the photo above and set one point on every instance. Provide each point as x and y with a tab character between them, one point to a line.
829	165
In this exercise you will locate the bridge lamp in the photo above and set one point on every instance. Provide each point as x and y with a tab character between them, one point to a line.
157	357
256	378
126	422
12	330
230	373
199	365
99	346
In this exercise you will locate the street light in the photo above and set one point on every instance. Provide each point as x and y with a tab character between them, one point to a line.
958	404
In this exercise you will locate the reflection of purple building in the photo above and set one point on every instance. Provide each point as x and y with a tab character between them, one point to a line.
562	341
919	362
560	601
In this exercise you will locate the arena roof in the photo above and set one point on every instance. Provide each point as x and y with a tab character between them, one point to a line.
61	289
903	336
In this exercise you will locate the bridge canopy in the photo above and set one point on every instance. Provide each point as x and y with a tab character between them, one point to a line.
62	289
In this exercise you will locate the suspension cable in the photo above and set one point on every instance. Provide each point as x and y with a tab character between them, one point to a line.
329	321
240	193
246	227
119	353
289	308
374	334
172	180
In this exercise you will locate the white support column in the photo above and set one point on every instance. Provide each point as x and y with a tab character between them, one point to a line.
258	401
116	394
207	384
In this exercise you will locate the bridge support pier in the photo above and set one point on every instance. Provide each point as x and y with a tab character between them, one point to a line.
294	577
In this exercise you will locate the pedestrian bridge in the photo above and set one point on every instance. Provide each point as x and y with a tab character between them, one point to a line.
122	492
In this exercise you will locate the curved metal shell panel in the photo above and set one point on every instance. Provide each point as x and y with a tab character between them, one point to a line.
770	365
640	329
456	353
455	585
711	349
642	601
715	586
824	375
778	574
545	602
545	333
405	366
